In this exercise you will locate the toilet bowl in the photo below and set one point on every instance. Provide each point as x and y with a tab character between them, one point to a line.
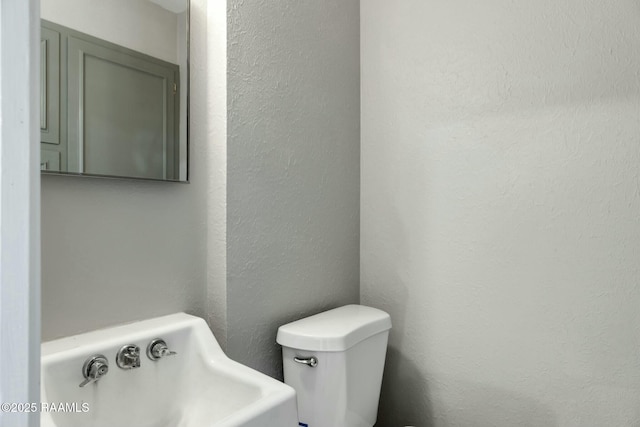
334	360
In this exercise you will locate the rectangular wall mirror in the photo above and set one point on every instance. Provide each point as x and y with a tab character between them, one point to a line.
114	88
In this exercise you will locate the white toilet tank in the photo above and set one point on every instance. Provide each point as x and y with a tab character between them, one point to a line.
340	357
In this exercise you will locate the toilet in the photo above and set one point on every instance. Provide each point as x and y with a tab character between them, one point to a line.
334	360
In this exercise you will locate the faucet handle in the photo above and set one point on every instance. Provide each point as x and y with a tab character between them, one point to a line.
94	368
157	349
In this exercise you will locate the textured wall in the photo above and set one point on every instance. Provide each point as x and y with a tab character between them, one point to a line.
500	201
122	250
293	168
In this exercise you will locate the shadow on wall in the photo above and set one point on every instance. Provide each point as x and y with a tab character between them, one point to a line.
409	398
405	398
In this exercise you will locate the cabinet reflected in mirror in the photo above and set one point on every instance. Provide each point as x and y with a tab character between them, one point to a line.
114	88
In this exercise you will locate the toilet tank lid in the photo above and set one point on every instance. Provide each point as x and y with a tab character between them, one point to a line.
334	330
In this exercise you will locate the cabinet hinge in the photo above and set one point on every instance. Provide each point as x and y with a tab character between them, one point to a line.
175	88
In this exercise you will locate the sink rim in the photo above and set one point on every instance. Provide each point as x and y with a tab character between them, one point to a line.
272	392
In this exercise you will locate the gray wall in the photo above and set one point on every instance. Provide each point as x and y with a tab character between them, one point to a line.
282	244
119	250
116	251
500	200
293	168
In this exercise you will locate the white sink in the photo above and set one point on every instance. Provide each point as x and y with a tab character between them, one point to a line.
198	387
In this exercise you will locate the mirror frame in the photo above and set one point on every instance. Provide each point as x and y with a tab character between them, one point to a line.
187	124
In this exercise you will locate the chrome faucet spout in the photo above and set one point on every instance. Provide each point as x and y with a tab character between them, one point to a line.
128	357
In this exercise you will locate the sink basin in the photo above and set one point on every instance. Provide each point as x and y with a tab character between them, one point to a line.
197	387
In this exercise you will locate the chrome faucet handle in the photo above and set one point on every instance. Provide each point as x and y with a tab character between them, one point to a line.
157	349
128	357
94	368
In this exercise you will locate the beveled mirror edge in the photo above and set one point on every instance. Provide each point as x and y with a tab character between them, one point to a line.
187	124
111	177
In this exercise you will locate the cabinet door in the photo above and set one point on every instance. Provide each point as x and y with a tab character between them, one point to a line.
121	112
49	160
49	86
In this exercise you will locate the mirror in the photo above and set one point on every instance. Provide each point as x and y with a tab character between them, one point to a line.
114	88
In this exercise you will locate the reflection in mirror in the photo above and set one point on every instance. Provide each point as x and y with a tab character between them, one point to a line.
114	88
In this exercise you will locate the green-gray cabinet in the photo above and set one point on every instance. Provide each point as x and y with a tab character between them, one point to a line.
117	109
52	149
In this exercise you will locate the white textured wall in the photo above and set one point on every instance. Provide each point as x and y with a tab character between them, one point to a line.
293	168
122	250
500	209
